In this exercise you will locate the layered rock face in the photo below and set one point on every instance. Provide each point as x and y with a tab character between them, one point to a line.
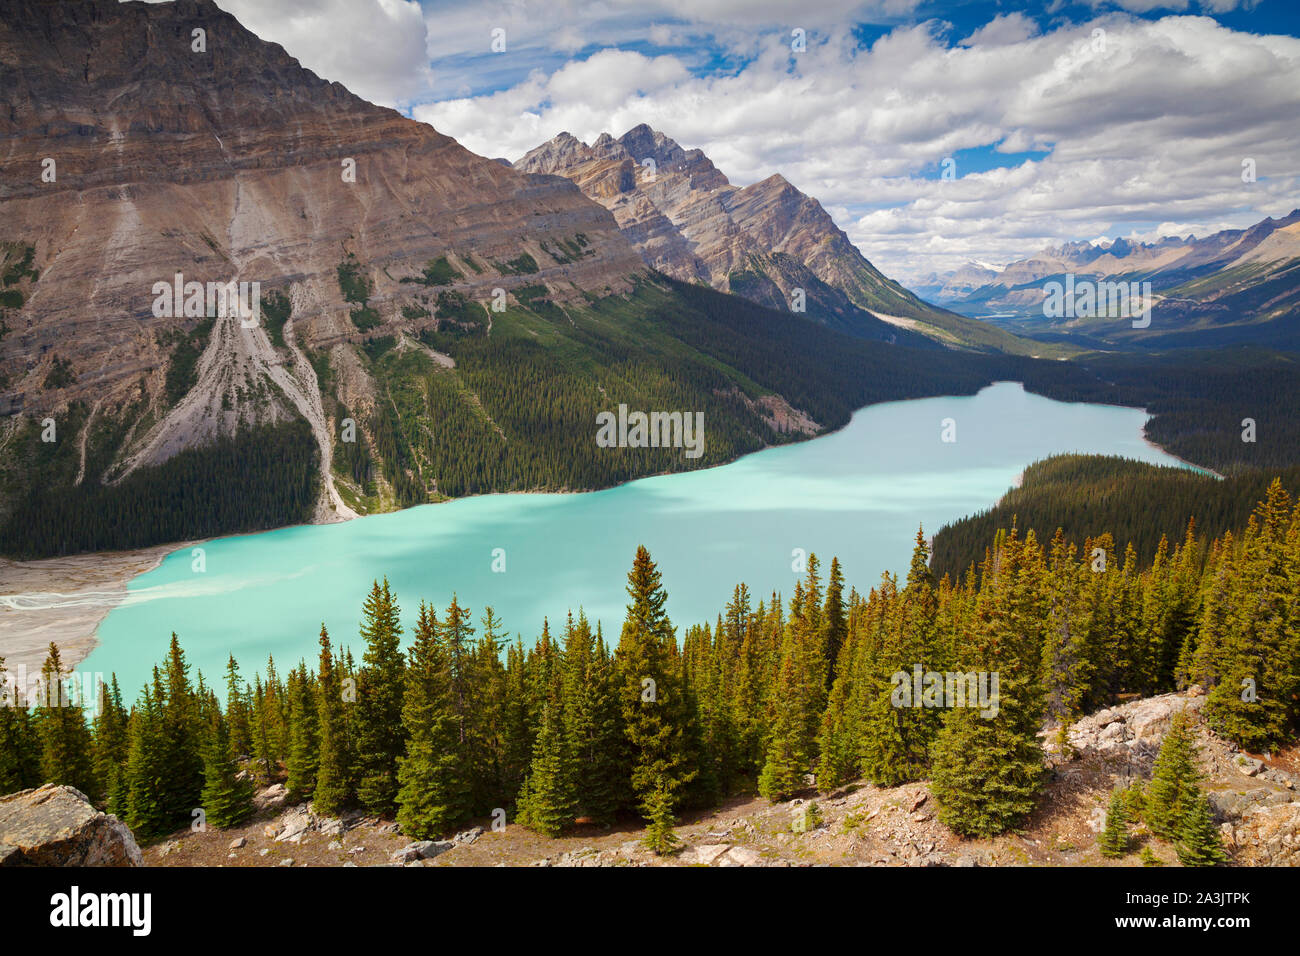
57	826
687	220
132	155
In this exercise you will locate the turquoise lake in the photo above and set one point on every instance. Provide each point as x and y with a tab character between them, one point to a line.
859	493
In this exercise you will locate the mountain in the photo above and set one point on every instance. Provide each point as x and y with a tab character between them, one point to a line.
1232	287
763	241
956	284
428	323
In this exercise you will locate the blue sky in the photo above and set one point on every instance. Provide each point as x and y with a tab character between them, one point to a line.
1061	121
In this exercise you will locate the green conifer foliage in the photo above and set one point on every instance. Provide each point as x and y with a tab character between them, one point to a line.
1174	781
548	801
434	788
1198	839
334	774
660	837
65	739
380	731
1113	840
227	799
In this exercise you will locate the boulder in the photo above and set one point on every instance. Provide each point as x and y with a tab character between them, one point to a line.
1247	764
705	853
1233	804
740	856
56	825
294	824
270	798
466	837
421	850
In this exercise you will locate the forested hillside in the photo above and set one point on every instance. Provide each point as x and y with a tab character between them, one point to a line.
453	721
1090	495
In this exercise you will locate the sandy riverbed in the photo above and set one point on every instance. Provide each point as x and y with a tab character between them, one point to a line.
64	600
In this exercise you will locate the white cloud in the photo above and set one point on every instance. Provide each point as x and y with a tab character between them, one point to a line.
1149	126
1145	122
374	47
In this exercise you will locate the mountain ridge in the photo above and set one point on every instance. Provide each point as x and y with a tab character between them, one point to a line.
765	241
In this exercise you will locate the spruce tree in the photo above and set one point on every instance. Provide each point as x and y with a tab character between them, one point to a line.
181	733
1113	840
591	722
1255	663
660	837
20	750
788	749
1174	781
652	704
112	748
548	801
237	711
333	791
227	798
304	744
433	787
380	734
1199	843
66	743
988	768
146	766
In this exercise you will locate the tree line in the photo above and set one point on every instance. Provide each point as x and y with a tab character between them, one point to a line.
780	697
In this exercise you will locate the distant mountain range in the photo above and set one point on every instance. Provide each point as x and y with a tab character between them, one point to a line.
767	242
1235	286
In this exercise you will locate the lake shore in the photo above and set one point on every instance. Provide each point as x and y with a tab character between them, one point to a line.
64	600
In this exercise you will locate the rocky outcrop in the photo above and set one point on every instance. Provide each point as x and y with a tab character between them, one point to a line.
235	162
1266	836
57	826
1134	729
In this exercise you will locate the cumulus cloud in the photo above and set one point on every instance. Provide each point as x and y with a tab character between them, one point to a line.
376	48
1142	122
1131	122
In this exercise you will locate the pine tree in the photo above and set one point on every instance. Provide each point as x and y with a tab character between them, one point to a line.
334	772
380	693
112	748
834	622
1174	781
146	765
1255	663
237	711
433	785
66	743
1113	840
660	837
788	750
180	733
988	769
548	802
591	722
304	744
227	798
1198	839
654	715
20	750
